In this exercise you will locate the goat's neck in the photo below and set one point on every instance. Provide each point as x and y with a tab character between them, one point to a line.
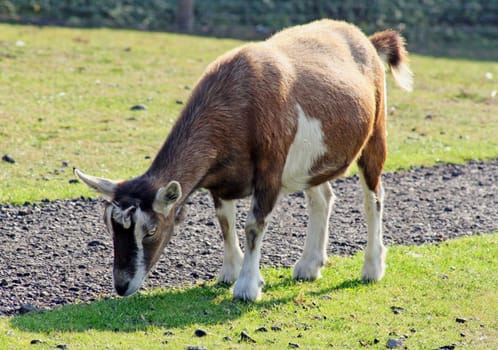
185	157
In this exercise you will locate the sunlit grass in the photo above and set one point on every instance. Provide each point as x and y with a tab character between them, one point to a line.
425	290
67	95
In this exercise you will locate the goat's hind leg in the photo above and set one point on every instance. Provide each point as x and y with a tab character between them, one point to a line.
232	254
319	200
370	166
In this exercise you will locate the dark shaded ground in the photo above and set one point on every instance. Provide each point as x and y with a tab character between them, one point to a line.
58	252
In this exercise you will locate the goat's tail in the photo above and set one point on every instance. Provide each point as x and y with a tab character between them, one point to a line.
390	46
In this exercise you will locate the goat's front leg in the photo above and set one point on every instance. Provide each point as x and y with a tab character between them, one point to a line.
250	282
232	255
319	201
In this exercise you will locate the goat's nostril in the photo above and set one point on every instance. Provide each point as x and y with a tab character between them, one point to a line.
121	288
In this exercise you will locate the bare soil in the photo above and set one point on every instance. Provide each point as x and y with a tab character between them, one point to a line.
55	253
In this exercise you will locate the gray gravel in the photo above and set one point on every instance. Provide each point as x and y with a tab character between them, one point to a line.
55	253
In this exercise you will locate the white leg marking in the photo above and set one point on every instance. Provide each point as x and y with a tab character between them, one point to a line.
319	200
248	285
375	252
307	147
232	255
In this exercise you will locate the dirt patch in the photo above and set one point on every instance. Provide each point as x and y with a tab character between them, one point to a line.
59	252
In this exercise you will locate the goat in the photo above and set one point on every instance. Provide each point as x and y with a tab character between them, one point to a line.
280	116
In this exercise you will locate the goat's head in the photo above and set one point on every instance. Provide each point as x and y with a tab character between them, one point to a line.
141	221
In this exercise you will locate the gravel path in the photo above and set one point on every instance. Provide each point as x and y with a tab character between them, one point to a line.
55	253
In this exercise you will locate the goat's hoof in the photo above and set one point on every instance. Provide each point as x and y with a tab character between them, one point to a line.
372	272
247	290
308	269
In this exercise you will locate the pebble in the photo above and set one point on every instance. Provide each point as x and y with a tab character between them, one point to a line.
8	159
36	341
394	343
25	308
460	320
196	347
447	347
61	346
139	107
200	333
246	337
293	345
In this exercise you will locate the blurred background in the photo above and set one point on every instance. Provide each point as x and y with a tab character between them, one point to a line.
447	27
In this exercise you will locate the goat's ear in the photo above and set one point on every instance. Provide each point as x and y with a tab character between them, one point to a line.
106	187
167	197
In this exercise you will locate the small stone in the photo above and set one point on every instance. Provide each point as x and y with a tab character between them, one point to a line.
200	333
4	283
460	320
227	338
376	341
36	341
62	346
95	244
394	343
65	163
139	107
179	102
169	333
74	181
276	328
262	329
293	345
397	310
246	337
25	308
447	347
8	159
196	347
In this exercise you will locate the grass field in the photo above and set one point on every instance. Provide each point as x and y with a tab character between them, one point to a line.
67	95
68	92
426	289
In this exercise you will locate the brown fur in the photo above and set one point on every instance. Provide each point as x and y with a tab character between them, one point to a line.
235	132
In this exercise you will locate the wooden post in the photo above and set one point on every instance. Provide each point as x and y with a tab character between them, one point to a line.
185	15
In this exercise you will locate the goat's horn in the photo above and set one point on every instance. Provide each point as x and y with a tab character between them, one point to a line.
104	186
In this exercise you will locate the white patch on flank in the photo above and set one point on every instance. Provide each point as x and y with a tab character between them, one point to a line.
307	147
375	252
232	255
319	201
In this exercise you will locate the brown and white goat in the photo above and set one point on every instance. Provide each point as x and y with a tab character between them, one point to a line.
284	115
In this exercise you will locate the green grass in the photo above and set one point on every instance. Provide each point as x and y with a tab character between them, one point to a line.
67	95
431	286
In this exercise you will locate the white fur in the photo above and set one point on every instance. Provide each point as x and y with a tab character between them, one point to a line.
232	255
319	200
135	281
248	285
375	252
307	147
403	76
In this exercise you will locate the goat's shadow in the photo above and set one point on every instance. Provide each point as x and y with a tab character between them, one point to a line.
204	305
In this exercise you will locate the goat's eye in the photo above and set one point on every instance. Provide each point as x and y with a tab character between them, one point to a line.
151	232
